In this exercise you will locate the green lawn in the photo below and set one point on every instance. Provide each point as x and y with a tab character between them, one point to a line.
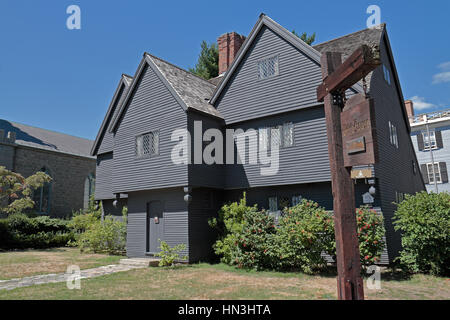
19	264
205	281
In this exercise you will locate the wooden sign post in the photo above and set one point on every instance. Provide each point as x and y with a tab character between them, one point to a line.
356	147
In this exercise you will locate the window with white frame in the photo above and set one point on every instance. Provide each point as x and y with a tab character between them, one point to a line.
147	144
281	136
296	199
387	75
437	172
429	141
268	67
393	134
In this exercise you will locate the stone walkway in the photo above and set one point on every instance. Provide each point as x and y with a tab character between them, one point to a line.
62	277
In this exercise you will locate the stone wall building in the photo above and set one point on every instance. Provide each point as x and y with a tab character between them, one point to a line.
26	150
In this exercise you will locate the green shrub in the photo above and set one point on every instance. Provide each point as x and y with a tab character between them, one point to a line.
249	238
18	231
424	220
305	231
107	236
254	245
169	254
229	224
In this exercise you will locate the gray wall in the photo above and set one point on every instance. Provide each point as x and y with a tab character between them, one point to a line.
205	204
306	161
175	215
245	96
104	178
395	167
203	175
151	107
107	139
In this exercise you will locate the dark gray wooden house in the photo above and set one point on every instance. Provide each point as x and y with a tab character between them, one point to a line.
268	83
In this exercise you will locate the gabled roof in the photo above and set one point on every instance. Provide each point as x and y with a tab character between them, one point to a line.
191	91
294	40
125	81
43	139
371	37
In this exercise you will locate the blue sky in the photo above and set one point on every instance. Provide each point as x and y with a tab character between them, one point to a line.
63	80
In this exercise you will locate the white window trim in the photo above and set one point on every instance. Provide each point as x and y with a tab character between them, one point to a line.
430	172
431	141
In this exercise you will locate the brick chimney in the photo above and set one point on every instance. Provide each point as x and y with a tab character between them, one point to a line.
229	44
409	109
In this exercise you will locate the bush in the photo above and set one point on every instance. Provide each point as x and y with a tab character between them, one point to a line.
254	245
250	239
107	236
229	224
169	255
18	231
424	220
305	231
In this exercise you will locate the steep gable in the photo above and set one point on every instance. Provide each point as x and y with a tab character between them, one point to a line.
104	141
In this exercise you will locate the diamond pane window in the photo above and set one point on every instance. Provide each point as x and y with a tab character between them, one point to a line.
268	67
275	137
147	144
296	200
288	134
263	139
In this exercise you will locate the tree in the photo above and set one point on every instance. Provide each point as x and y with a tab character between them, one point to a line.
304	37
207	66
16	191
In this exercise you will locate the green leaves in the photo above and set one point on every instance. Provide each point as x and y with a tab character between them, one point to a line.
424	220
170	254
17	191
305	38
207	66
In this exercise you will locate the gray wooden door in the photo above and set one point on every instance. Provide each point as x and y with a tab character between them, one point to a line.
155	225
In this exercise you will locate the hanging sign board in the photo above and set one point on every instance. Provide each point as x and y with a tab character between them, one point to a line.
358	132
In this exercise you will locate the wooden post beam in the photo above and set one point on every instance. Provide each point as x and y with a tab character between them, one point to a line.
356	67
349	281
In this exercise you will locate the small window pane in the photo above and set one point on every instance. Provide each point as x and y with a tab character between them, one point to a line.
268	67
296	200
273	205
275	137
263	136
288	134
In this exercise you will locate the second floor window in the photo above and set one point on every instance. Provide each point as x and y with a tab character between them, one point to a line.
281	136
429	141
393	135
147	144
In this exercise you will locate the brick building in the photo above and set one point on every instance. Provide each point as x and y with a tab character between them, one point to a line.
26	150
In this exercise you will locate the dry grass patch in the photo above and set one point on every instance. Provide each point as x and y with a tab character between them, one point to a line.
19	264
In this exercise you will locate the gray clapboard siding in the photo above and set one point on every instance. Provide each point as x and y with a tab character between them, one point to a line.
107	141
104	177
205	204
245	96
175	213
394	169
305	162
203	175
151	107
